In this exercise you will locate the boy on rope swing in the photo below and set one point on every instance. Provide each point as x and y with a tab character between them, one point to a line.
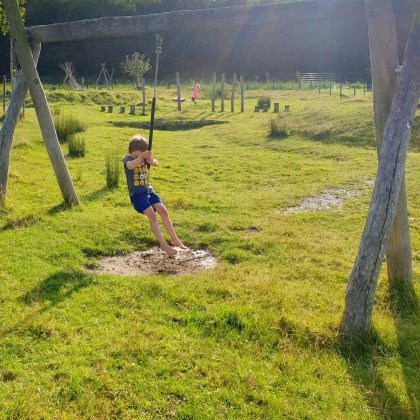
142	196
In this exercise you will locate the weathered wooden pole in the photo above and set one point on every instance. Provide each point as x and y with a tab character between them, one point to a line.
241	78
143	105
36	89
222	94
383	41
213	92
178	91
361	285
4	94
232	95
7	130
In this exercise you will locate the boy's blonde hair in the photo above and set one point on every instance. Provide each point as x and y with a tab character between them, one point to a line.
137	142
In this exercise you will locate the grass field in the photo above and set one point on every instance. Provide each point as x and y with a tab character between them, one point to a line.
254	338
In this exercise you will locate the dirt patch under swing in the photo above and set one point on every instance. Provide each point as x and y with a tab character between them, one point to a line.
155	261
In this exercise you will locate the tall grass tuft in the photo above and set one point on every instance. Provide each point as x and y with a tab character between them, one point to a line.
77	146
112	166
278	128
264	100
67	126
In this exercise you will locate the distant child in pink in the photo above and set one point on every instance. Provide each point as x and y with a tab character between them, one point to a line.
194	96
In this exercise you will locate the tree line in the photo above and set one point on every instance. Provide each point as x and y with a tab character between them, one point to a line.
315	47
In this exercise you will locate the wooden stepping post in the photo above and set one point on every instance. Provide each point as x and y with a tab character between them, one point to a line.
265	108
122	109
132	110
276	107
287	108
110	109
102	108
257	108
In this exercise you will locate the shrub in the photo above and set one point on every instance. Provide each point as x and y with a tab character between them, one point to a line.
278	128
67	126
263	101
76	146
112	164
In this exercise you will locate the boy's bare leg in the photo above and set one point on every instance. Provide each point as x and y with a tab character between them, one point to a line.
166	221
149	212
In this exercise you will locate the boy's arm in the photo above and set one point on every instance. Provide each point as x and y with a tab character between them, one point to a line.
131	164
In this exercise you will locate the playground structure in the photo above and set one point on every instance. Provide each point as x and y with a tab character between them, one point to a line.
394	105
70	76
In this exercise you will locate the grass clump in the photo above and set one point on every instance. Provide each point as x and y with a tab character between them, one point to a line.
264	100
77	146
278	128
112	166
67	126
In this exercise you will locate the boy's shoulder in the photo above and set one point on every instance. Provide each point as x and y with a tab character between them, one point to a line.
128	158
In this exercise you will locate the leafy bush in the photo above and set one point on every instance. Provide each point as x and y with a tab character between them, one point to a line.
264	100
112	165
67	126
76	146
278	128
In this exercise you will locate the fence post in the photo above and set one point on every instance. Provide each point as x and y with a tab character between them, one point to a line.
298	79
178	91
330	88
4	94
242	94
213	92
354	91
341	90
319	87
143	106
232	96
222	94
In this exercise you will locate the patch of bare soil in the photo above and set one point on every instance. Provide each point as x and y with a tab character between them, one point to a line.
155	261
329	200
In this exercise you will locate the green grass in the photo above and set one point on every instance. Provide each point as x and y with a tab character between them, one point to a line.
254	338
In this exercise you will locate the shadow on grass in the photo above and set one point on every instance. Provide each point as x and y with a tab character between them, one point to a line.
57	287
96	195
364	358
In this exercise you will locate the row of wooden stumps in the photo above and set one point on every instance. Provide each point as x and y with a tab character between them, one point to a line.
110	109
276	109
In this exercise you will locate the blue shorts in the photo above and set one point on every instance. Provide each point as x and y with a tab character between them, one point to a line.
142	200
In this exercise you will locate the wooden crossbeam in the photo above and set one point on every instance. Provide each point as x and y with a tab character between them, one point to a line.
214	19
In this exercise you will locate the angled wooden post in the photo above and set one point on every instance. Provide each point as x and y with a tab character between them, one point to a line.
9	125
383	42
361	286
36	89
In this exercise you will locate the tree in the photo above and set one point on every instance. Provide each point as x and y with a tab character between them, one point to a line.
136	67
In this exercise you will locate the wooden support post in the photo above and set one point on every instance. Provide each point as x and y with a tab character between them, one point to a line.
39	100
178	91
9	124
383	32
386	196
132	110
143	105
213	92
4	94
242	94
222	94
232	95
